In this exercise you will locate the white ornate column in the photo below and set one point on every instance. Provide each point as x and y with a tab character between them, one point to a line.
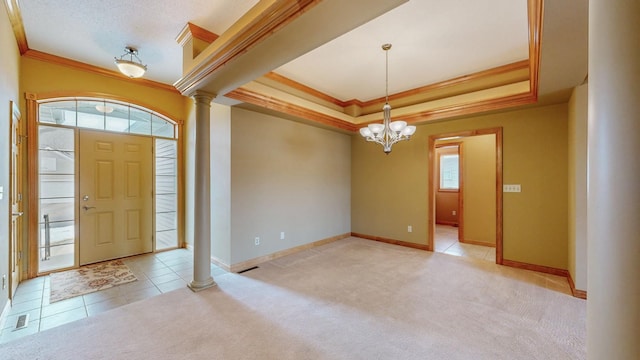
613	212
202	278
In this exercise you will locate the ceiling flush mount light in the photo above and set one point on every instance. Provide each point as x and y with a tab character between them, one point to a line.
130	67
387	133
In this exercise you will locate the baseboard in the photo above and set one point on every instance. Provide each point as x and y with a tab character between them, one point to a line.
256	261
581	294
577	293
221	264
481	243
392	241
534	267
448	223
5	313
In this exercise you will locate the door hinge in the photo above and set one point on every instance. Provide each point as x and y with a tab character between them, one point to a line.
20	197
19	255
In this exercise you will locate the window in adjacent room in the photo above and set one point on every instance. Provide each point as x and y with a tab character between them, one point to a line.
449	174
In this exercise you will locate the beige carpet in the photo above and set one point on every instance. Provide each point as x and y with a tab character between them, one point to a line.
352	299
88	279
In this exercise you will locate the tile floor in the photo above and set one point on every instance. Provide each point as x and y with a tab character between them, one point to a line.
446	241
157	273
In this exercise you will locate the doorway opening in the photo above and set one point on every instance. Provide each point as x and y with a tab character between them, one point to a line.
465	194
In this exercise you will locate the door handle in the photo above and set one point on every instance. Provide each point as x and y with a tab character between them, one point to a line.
17	214
88	207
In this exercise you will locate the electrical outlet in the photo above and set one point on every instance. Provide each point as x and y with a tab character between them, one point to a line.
282	235
4	281
409	228
257	241
454	213
511	188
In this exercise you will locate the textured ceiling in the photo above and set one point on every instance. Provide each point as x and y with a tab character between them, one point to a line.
95	32
433	40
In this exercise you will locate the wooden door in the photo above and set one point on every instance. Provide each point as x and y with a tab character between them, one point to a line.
115	195
16	185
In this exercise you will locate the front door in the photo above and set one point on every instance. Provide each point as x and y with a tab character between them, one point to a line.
115	195
15	251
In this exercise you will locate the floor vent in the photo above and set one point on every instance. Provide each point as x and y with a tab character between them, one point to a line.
249	269
23	322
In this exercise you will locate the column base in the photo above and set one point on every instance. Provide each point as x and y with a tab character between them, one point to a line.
196	286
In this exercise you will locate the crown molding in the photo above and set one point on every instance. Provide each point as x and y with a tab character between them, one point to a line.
480	75
461	80
268	102
193	31
58	60
15	18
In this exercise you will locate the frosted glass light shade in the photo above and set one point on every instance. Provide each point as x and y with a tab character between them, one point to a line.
130	68
409	130
398	126
365	132
376	128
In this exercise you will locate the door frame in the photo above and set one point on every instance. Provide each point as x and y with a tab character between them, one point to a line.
432	189
436	173
15	247
32	204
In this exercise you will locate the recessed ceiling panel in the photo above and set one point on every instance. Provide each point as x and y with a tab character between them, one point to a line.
432	40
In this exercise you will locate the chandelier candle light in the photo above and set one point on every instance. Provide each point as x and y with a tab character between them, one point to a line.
387	133
130	67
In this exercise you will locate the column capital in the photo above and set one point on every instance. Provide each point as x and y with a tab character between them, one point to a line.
203	97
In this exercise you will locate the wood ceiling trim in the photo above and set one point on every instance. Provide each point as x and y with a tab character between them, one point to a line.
480	75
470	108
477	76
303	88
262	27
535	18
42	56
269	102
194	31
15	18
535	13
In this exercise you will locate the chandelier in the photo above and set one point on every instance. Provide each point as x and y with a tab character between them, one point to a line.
129	67
387	133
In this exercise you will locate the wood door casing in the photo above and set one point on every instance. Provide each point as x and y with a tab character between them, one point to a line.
115	196
16	184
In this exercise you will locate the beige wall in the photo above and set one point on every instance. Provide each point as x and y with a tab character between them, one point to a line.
390	192
479	186
286	176
446	205
221	182
9	71
577	170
